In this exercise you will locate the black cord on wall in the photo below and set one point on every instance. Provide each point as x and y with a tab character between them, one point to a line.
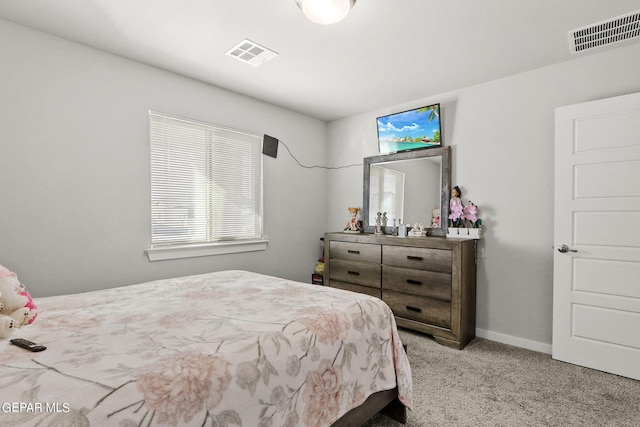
272	143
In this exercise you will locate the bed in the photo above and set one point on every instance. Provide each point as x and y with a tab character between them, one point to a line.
223	349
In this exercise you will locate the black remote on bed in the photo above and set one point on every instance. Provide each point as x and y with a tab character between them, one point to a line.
29	345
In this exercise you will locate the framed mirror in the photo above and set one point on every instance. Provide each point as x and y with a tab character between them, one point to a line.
408	186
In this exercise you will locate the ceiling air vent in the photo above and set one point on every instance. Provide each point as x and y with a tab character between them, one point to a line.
615	30
251	53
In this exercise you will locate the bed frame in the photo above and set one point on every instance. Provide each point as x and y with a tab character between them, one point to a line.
385	402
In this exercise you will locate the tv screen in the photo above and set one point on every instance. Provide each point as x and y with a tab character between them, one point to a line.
410	130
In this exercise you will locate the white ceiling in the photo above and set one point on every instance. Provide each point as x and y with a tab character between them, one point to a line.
385	53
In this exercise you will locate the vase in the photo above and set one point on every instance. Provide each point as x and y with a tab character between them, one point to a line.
463	232
475	233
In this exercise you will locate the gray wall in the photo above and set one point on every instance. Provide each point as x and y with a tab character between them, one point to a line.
74	168
502	139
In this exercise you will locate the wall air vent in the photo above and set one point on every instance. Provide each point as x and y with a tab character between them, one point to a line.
251	53
615	30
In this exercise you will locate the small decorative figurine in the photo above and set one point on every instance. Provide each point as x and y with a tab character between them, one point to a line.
435	218
354	225
418	230
455	208
378	228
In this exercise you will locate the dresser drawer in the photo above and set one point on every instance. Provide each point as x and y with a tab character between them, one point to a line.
360	273
355	251
421	309
374	292
417	282
419	258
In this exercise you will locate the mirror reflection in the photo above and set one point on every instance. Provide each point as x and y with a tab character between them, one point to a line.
411	187
407	190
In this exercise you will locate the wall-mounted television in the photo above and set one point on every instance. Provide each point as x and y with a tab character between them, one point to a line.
410	130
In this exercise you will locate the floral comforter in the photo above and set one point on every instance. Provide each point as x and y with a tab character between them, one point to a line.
223	349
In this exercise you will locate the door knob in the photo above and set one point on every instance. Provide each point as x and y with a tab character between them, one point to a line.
564	249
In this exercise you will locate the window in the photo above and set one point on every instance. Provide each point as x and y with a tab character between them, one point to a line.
387	193
206	187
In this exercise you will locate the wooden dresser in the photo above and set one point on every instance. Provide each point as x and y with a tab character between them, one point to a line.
428	282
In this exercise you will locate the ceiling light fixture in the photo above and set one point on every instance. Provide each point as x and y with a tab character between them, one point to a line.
325	12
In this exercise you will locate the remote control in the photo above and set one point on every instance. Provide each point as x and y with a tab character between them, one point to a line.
29	345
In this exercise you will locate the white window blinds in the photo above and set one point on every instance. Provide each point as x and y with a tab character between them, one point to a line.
387	193
206	183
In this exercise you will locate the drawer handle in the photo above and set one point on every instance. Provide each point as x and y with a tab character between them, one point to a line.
414	282
416	309
415	258
353	273
352	251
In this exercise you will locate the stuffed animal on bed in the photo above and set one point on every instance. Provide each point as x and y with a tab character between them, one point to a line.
33	308
16	305
4	272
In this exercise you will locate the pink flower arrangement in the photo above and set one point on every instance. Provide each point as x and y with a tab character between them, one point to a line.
470	213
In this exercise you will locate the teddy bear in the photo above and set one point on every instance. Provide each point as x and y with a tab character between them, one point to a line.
33	308
354	224
16	305
4	272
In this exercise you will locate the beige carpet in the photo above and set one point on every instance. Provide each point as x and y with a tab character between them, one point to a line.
493	384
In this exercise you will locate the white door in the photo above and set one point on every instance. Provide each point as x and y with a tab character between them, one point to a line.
596	280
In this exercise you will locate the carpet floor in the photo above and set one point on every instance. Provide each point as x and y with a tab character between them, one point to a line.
493	384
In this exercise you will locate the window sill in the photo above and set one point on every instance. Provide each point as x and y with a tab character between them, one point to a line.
192	251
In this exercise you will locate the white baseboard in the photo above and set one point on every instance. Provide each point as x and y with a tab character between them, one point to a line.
515	341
